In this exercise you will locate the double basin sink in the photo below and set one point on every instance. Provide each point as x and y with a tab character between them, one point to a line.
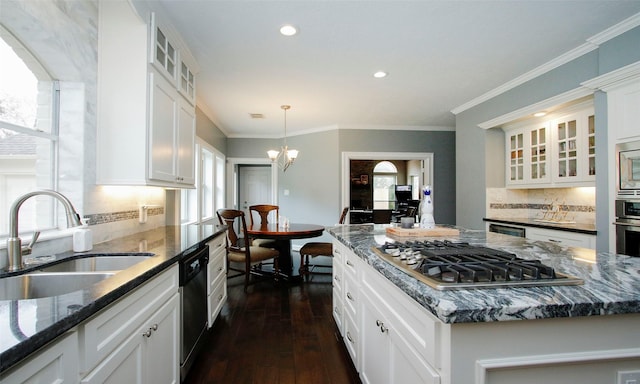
66	276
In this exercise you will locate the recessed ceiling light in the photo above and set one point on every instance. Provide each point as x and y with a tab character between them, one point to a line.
380	74
540	114
288	30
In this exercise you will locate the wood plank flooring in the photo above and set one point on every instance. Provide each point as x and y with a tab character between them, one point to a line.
275	334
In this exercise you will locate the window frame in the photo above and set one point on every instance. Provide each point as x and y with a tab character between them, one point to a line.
45	210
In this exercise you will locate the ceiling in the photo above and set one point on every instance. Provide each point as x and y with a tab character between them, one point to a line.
439	55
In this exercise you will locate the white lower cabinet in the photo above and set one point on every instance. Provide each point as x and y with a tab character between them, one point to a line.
56	363
565	238
216	277
136	340
148	354
390	339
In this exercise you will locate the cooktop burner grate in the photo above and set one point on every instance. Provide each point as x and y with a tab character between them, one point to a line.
456	265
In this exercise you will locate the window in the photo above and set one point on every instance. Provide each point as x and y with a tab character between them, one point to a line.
385	177
199	205
28	135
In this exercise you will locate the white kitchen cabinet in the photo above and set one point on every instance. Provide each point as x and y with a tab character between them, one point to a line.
564	238
528	155
56	363
337	285
146	128
387	335
556	152
171	134
216	277
137	339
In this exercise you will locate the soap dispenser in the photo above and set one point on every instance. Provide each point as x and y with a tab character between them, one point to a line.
82	238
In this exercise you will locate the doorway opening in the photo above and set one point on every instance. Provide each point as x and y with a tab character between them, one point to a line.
251	181
413	168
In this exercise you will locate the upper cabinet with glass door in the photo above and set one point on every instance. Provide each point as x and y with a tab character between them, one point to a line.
574	135
527	155
556	151
173	62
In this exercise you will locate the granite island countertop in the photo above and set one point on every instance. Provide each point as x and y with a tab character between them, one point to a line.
611	282
27	325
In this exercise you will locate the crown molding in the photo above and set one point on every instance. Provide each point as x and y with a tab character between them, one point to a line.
614	78
591	44
529	110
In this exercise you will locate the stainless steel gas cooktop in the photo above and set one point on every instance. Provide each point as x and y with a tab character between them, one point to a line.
458	265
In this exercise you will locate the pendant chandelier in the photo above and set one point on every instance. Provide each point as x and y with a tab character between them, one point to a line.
285	157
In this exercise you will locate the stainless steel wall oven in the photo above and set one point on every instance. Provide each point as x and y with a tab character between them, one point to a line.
628	227
628	169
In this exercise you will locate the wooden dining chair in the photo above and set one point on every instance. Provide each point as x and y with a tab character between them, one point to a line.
263	211
239	252
314	249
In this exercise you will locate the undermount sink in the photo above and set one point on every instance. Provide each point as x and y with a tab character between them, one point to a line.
38	285
66	276
101	263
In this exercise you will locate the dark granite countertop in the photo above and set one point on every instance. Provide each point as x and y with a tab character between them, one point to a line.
588	229
27	325
611	282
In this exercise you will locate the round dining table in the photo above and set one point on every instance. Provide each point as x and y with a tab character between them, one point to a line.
283	236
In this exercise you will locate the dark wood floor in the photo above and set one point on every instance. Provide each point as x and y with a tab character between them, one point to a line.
275	334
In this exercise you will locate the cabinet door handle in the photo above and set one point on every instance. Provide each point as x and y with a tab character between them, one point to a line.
336	278
554	241
380	324
349	296
147	334
154	327
349	263
349	337
220	269
220	297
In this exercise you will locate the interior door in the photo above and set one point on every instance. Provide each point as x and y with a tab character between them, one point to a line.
254	187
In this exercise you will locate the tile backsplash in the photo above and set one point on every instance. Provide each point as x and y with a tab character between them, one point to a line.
563	204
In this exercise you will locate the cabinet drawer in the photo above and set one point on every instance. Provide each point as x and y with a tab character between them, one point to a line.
216	245
216	300
352	265
568	239
338	251
350	298
351	340
216	270
108	329
338	312
338	278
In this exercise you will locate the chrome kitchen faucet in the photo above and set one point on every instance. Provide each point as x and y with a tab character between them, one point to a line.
14	244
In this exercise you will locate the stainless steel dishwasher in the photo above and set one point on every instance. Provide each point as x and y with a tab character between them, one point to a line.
193	305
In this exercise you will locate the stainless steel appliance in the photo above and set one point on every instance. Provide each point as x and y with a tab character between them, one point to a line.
628	169
507	230
193	305
628	227
456	265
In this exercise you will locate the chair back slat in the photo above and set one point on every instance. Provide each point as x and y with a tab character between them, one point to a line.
263	211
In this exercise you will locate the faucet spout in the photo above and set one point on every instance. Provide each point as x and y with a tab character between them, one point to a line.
14	244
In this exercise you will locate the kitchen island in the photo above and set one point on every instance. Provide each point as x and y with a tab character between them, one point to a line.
26	326
583	333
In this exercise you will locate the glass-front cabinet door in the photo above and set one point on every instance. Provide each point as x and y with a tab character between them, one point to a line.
516	157
538	161
567	148
575	142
